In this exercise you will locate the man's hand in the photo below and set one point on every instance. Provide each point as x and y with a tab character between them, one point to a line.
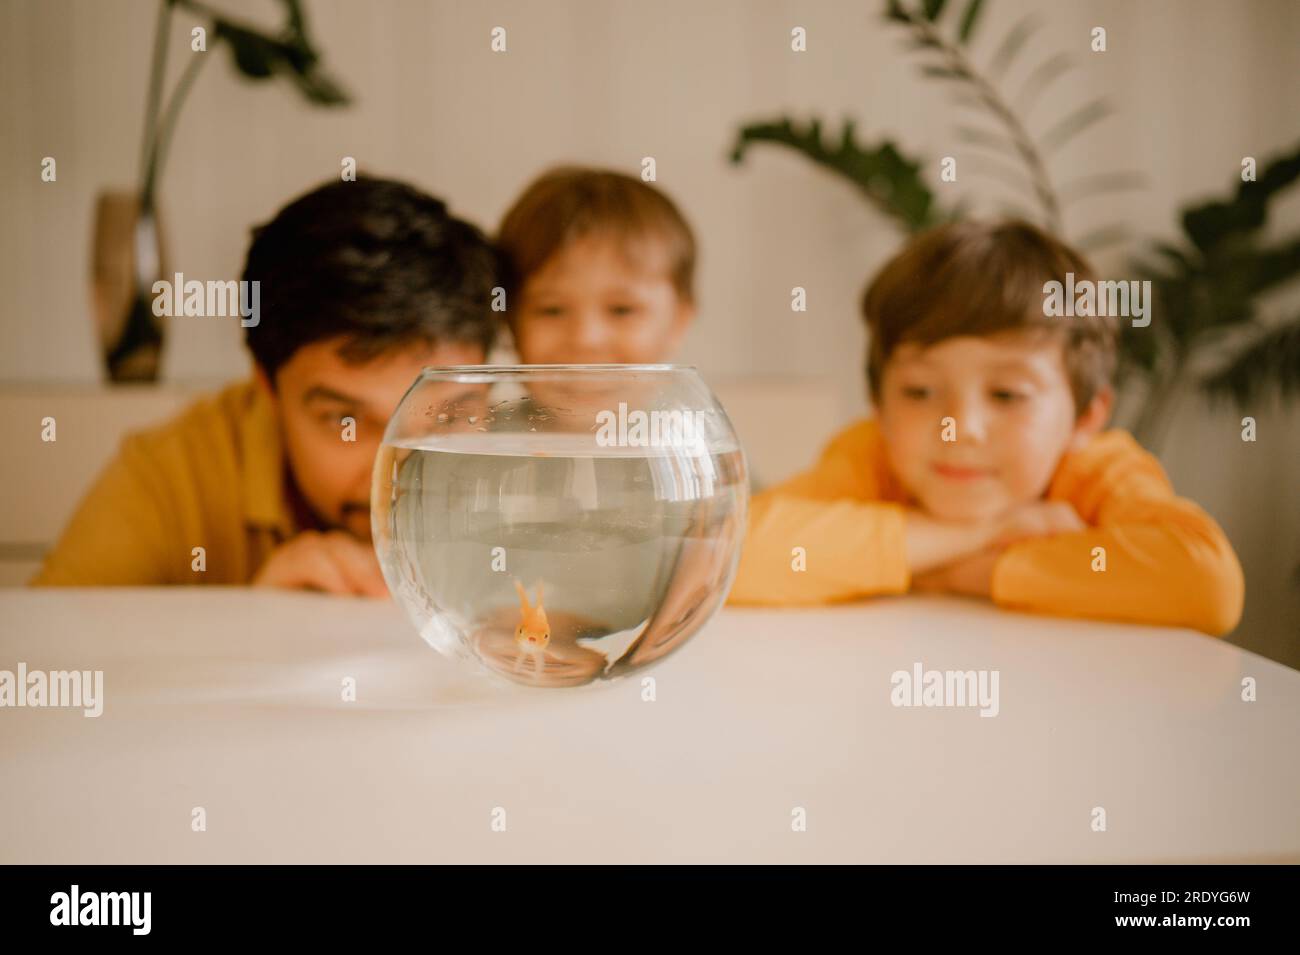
333	562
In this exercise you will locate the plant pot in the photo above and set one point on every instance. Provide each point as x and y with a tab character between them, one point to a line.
126	260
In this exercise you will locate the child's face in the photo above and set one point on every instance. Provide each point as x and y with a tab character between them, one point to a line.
1013	415
589	304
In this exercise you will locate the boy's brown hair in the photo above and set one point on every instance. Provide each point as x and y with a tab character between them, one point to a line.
976	278
571	202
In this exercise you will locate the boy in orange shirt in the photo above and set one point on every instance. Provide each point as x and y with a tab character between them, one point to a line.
986	470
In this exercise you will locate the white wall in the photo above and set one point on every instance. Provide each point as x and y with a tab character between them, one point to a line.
1199	84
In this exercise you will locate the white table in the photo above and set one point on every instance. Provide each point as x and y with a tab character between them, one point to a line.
231	700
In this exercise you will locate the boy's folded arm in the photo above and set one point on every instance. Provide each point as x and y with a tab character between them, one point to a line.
850	545
1165	562
808	551
119	533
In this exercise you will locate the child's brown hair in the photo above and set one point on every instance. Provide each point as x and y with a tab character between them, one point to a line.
570	202
977	278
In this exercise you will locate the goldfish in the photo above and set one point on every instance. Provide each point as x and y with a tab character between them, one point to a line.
533	634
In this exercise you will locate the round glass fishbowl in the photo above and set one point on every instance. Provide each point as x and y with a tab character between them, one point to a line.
559	525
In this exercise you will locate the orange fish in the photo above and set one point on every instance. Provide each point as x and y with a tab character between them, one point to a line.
533	633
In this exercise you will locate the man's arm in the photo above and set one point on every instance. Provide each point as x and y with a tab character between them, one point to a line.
121	533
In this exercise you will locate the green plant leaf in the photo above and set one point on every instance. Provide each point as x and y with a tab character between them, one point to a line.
895	11
254	54
1184	266
297	22
1270	363
1138	351
1012	44
1251	271
1277	175
1040	78
320	88
932	8
260	57
1215	222
1074	123
889	180
986	138
944	73
967	28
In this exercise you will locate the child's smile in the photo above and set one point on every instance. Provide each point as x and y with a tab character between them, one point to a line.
956	473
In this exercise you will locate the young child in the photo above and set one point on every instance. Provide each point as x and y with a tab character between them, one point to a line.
600	269
986	470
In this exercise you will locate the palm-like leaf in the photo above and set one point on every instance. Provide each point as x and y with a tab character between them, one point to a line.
889	180
968	21
1040	78
1270	363
1073	124
1012	44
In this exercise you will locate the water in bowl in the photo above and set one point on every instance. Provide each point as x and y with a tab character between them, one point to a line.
631	549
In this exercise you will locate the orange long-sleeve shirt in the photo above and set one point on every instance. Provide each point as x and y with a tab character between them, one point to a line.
212	478
1167	561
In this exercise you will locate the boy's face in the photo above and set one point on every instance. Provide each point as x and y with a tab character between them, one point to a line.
315	389
1010	400
589	304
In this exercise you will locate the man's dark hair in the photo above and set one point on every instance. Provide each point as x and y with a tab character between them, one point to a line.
375	261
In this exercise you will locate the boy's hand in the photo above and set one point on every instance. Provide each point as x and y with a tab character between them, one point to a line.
932	543
1037	519
972	575
969	576
333	562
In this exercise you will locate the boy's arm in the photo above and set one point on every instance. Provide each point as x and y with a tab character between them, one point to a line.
846	549
850	545
119	534
1166	560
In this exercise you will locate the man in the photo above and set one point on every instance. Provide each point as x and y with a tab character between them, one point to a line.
361	284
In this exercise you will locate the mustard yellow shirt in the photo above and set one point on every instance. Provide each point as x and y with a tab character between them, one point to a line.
211	478
1167	561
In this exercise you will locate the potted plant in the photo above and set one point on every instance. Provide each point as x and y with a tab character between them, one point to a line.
127	247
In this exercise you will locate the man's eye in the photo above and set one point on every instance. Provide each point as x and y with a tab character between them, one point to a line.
916	392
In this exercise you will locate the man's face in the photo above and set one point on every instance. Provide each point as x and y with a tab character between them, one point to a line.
315	390
1013	415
